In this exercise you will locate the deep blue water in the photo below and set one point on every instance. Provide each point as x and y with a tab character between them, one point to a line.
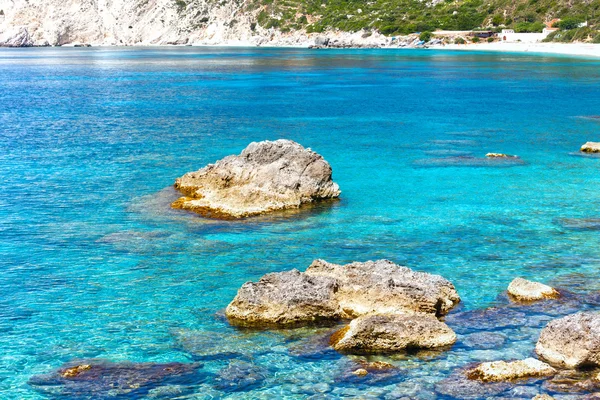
94	263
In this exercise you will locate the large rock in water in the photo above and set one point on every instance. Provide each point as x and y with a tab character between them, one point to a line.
266	176
330	292
285	298
572	341
384	287
391	333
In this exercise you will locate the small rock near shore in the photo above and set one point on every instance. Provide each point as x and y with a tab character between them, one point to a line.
499	371
590	147
523	290
572	341
392	333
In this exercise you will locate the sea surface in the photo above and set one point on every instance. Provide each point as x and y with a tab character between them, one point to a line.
95	265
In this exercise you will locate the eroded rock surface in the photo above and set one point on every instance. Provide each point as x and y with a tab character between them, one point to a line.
384	287
498	371
330	292
17	38
591	147
267	176
572	341
285	298
523	290
392	333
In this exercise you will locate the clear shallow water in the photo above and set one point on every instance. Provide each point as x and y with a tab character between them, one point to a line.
94	264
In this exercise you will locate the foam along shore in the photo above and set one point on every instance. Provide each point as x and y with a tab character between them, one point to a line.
572	49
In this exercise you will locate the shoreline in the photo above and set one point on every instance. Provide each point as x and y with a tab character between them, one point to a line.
560	49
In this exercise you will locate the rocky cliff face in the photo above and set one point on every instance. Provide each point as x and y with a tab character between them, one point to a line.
137	22
155	22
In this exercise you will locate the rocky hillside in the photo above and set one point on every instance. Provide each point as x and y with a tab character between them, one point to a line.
256	22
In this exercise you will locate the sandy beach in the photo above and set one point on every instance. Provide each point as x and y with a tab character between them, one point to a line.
573	49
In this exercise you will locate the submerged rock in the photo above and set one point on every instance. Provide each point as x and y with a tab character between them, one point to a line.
590	147
498	371
267	176
102	379
580	224
239	376
384	287
392	333
469	161
484	340
572	341
285	298
327	292
458	386
523	290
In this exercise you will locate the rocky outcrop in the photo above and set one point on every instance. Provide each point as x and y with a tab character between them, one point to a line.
18	38
266	176
572	341
591	147
285	298
542	397
523	290
329	291
384	287
498	371
392	333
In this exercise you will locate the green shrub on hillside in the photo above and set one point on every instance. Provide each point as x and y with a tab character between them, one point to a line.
425	36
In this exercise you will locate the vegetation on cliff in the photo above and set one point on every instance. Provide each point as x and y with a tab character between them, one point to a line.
407	16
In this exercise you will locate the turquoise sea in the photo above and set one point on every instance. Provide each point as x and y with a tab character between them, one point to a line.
95	265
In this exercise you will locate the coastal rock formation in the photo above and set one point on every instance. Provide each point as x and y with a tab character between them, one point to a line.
266	176
572	341
391	333
285	298
543	397
498	371
384	287
329	292
17	38
591	147
523	290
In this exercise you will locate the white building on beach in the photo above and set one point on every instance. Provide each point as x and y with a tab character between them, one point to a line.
509	35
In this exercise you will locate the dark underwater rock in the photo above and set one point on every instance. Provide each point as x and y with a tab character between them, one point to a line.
101	379
469	161
486	319
315	347
579	224
483	340
458	386
239	376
